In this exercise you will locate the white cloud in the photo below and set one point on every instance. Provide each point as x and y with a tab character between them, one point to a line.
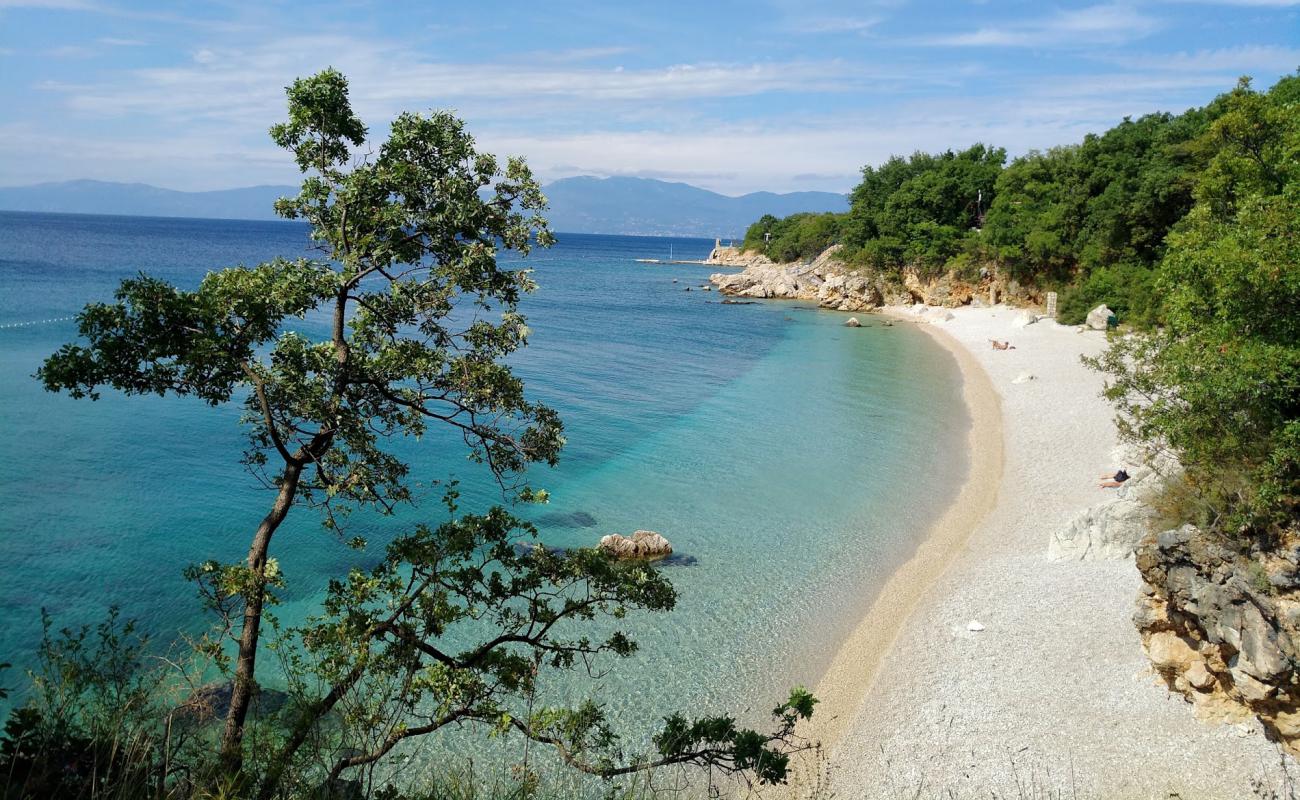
1250	3
1236	60
70	51
1098	24
65	5
244	85
820	25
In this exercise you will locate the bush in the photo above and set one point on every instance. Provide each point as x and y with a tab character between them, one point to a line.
794	238
1129	291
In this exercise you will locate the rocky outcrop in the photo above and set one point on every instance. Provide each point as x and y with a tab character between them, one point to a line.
1099	318
735	257
1113	529
640	545
826	281
941	290
1221	625
831	283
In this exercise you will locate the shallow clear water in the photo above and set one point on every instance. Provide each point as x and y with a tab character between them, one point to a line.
796	460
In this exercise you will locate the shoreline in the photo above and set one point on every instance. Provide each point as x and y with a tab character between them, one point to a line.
848	678
1053	695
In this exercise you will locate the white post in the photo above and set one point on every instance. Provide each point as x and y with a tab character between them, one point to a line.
1051	304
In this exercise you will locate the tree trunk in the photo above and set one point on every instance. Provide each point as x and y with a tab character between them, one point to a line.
241	693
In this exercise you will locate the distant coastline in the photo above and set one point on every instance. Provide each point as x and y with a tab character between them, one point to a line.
584	204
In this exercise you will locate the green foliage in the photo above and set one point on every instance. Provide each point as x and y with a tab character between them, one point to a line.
920	211
1033	223
1095	212
794	238
1128	289
1250	146
1220	383
92	725
1094	218
411	237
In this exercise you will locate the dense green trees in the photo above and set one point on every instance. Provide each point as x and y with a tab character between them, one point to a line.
1092	219
1219	382
920	211
454	625
796	237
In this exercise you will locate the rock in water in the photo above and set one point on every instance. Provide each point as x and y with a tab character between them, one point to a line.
641	544
853	323
1099	318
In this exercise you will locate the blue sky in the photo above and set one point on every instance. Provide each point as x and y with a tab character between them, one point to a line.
782	95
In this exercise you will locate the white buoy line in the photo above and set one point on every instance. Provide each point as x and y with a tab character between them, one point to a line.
35	322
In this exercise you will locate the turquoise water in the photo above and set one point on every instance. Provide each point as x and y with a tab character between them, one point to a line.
795	460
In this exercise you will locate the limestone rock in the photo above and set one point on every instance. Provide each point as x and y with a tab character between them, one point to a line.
640	545
1198	677
1219	634
1024	377
1023	320
852	322
825	280
1108	531
1113	528
945	290
1099	318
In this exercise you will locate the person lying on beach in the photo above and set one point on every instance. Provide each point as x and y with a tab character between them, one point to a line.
1002	345
1112	481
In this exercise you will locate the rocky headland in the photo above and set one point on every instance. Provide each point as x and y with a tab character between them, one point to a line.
834	284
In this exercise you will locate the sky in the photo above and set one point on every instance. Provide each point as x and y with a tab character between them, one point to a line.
778	95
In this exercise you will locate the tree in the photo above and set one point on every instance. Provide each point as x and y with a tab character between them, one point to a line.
1220	383
409	239
918	211
1033	221
381	655
421	316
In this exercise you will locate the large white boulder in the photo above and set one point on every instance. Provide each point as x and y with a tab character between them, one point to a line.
1109	531
1112	529
1099	318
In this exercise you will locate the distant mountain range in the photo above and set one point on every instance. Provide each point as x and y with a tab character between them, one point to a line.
650	207
578	205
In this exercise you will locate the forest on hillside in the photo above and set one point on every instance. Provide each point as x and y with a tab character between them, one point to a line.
1092	220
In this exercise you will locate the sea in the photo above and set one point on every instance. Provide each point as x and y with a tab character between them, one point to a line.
792	462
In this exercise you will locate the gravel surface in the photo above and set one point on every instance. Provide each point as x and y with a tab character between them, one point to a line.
1054	697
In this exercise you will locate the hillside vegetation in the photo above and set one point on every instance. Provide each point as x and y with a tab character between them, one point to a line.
1092	220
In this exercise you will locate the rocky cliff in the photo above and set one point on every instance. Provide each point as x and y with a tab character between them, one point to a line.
831	283
1221	624
1219	621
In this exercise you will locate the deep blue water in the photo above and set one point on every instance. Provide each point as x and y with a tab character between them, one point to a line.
796	460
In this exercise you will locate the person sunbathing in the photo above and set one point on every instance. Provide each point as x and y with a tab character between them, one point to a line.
1002	345
1113	480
